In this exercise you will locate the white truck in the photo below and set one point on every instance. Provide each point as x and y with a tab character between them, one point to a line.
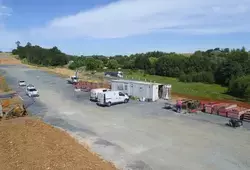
109	98
94	93
73	80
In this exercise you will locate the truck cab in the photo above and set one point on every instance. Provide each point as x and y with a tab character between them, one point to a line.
73	80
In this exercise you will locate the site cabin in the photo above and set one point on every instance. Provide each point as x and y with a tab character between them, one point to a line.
109	98
147	90
94	93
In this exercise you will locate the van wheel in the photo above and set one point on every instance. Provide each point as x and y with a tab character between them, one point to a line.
126	101
109	104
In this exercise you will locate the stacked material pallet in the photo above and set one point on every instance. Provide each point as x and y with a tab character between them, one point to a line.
246	116
237	112
209	106
223	109
216	107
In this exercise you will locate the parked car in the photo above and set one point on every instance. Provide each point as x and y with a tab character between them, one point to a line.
30	86
94	93
109	98
32	92
21	83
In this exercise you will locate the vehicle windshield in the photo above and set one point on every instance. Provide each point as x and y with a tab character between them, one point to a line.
21	81
32	90
30	85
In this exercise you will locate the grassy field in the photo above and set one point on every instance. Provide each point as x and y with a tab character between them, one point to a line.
209	91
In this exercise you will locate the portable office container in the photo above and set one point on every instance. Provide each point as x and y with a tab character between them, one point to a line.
149	91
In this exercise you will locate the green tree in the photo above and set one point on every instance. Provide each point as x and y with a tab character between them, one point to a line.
112	64
93	64
18	43
226	71
240	87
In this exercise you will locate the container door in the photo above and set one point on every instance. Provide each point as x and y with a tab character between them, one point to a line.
126	88
131	90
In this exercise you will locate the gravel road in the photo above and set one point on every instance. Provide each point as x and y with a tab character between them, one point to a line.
136	135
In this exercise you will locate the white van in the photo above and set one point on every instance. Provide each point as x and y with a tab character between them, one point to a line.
111	97
94	93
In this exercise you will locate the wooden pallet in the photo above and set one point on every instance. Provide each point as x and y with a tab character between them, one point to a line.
246	116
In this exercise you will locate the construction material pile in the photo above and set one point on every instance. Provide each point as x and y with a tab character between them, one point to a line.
229	110
87	86
10	108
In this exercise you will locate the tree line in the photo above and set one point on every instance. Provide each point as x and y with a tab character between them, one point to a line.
227	67
41	56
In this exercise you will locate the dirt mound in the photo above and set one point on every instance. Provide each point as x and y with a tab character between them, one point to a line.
27	143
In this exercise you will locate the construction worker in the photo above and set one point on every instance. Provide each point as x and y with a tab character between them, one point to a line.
179	105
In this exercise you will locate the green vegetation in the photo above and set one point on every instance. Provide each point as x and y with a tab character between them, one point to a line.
194	75
240	87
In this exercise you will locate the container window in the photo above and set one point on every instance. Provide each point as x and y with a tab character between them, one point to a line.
120	87
126	87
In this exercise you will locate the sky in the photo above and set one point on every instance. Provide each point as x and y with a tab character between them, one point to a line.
111	27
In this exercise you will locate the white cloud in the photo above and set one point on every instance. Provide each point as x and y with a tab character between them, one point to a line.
5	11
134	17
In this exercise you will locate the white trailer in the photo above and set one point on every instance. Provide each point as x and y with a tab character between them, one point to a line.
149	91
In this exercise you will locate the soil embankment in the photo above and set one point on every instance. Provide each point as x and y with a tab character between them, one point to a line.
27	143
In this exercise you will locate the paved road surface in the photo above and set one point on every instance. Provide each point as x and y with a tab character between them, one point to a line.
136	135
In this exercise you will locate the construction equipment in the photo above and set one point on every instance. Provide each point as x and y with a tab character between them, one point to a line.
12	106
17	110
235	123
192	106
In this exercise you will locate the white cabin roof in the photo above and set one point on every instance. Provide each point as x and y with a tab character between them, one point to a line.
134	81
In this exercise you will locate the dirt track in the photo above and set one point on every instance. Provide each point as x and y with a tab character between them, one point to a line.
28	143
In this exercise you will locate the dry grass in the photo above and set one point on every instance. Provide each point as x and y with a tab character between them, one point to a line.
3	85
28	143
9	59
66	73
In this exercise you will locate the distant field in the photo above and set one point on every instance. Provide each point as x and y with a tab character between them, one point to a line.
202	90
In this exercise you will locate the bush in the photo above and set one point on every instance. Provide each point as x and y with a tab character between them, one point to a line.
240	87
